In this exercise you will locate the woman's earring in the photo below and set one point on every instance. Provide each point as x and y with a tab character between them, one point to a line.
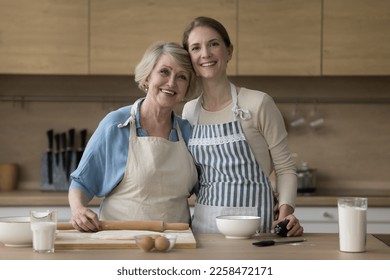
146	88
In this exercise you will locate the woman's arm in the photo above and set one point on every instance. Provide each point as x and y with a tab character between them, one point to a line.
83	218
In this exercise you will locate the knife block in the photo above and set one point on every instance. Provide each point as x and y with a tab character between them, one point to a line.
60	181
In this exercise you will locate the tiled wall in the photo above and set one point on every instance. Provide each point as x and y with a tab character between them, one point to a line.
351	150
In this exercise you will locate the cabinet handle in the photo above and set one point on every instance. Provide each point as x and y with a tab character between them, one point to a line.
327	215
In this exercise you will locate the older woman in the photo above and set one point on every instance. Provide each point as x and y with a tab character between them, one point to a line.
137	159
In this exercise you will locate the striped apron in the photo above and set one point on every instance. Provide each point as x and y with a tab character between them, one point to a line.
231	181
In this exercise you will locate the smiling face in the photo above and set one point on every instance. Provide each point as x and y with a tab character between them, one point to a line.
168	82
209	54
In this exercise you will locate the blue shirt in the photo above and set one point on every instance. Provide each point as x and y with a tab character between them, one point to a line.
103	163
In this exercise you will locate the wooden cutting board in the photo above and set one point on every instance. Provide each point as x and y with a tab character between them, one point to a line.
115	239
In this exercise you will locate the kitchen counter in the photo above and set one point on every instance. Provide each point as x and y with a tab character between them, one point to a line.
39	198
319	246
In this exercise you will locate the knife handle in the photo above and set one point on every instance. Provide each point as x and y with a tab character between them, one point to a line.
71	138
57	138
83	139
63	141
264	243
50	134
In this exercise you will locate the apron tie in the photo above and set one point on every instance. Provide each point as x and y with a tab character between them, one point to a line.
242	113
126	123
132	114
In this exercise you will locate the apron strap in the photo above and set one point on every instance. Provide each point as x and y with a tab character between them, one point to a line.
244	114
132	117
133	112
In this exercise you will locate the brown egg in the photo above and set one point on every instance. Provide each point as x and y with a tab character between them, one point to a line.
146	243
161	243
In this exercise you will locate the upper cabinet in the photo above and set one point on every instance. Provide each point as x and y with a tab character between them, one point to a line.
279	37
356	37
121	30
283	37
44	37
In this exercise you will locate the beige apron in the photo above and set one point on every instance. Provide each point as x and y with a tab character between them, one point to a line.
157	182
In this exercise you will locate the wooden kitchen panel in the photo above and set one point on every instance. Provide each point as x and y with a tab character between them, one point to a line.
356	37
44	37
121	30
279	37
115	239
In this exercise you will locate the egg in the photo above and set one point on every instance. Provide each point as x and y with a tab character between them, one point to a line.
161	243
146	243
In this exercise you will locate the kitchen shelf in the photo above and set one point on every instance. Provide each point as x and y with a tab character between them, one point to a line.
67	98
333	100
123	89
125	99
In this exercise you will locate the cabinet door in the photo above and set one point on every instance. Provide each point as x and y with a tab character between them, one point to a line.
356	37
121	30
279	37
44	37
325	219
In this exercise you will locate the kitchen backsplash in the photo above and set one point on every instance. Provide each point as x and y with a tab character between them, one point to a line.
348	141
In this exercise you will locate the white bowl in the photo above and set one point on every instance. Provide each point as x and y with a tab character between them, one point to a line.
15	231
238	227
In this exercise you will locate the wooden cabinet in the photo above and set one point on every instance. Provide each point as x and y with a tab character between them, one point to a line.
121	30
356	39
279	37
325	219
44	37
284	37
306	37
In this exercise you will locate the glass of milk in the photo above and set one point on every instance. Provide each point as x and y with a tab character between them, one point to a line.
43	227
352	224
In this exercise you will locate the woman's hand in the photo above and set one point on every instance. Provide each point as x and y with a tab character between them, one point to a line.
294	227
85	220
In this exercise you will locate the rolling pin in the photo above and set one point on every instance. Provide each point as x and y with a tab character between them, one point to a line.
133	225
